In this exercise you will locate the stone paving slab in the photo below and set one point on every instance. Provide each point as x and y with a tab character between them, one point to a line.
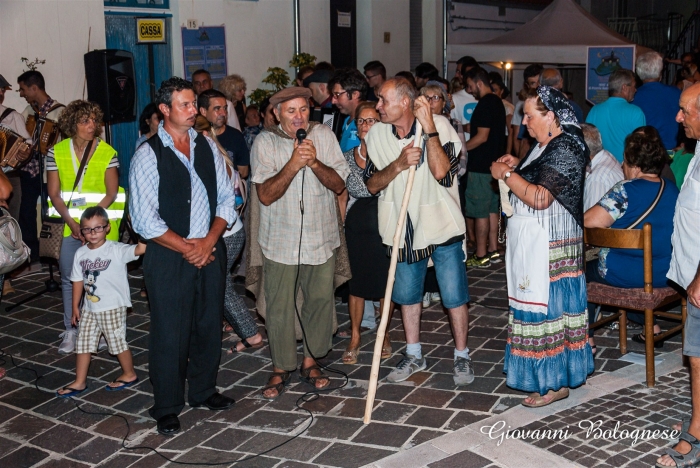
421	415
626	404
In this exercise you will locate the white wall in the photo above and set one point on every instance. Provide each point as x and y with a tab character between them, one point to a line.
30	28
259	34
432	32
465	36
374	18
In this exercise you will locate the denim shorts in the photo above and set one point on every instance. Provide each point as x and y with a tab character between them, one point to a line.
691	343
451	275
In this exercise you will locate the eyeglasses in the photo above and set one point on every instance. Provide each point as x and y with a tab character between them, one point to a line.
369	77
435	98
87	120
337	95
96	229
369	121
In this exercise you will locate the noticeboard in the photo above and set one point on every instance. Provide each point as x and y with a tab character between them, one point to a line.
601	62
205	48
150	30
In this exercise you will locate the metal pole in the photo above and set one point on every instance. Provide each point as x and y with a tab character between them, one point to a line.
296	27
444	37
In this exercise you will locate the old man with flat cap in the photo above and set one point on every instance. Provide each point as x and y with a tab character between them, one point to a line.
297	169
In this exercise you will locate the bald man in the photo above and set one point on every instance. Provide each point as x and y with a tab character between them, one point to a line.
552	77
685	272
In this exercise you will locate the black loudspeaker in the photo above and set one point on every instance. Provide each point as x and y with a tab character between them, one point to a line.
110	83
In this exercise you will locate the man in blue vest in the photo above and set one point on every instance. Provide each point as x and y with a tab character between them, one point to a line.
185	266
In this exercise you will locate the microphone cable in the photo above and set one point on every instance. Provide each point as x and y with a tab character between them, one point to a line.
304	398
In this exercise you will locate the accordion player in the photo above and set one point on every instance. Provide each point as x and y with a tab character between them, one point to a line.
14	149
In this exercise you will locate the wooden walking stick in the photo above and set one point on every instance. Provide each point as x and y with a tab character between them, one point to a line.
381	330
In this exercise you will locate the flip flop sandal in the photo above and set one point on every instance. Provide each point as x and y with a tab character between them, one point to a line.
640	338
280	387
555	396
350	355
234	349
688	460
121	387
305	376
347	333
386	351
73	392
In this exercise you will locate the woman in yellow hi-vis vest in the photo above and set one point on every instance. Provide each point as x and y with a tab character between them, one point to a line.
98	185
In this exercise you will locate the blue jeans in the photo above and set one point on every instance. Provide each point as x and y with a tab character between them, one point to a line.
451	277
65	265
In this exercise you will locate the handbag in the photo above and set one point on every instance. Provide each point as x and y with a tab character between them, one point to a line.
51	235
13	252
592	254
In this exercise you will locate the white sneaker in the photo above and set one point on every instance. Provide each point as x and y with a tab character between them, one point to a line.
68	344
426	300
102	344
435	297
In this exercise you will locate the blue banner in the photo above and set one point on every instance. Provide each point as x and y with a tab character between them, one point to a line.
205	48
601	62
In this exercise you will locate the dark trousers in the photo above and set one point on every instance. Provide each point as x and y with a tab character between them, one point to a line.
31	190
185	334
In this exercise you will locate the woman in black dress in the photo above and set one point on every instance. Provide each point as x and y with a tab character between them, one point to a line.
369	262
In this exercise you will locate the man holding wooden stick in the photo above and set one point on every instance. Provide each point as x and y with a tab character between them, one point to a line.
434	224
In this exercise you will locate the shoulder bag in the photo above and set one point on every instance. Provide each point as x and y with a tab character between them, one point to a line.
13	252
51	236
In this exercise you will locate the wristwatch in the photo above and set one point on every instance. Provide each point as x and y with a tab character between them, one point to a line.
428	136
506	175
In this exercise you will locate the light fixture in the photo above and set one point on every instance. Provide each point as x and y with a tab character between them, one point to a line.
509	66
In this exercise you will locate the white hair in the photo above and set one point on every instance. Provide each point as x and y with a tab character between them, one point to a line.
649	66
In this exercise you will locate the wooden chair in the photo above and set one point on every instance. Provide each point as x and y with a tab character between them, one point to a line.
646	299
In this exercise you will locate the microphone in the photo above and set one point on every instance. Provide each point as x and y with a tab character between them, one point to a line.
301	135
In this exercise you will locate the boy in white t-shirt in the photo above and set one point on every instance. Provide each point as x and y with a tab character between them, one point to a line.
99	270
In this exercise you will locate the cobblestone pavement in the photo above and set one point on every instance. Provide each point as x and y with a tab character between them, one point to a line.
426	411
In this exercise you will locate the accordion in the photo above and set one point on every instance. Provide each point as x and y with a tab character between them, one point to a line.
45	132
14	150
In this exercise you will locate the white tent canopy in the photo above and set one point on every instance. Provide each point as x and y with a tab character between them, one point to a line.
558	35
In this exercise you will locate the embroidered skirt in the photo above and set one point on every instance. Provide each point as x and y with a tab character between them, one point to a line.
547	346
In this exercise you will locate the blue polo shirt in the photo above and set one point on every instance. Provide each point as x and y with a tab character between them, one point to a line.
616	118
659	102
349	140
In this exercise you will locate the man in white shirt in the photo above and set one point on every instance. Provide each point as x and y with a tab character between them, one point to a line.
464	102
10	118
604	170
13	120
685	270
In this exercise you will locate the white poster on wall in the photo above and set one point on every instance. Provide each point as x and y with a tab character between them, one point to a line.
344	19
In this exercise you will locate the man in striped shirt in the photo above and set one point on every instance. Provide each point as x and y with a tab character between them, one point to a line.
434	224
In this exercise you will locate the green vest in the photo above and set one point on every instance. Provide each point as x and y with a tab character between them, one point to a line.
93	187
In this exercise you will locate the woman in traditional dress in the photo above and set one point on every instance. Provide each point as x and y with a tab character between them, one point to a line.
547	351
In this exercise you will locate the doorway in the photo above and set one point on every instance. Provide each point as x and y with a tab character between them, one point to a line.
152	64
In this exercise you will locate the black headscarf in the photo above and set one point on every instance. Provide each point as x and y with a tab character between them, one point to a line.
561	167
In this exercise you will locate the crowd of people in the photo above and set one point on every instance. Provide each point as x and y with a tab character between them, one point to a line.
305	207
